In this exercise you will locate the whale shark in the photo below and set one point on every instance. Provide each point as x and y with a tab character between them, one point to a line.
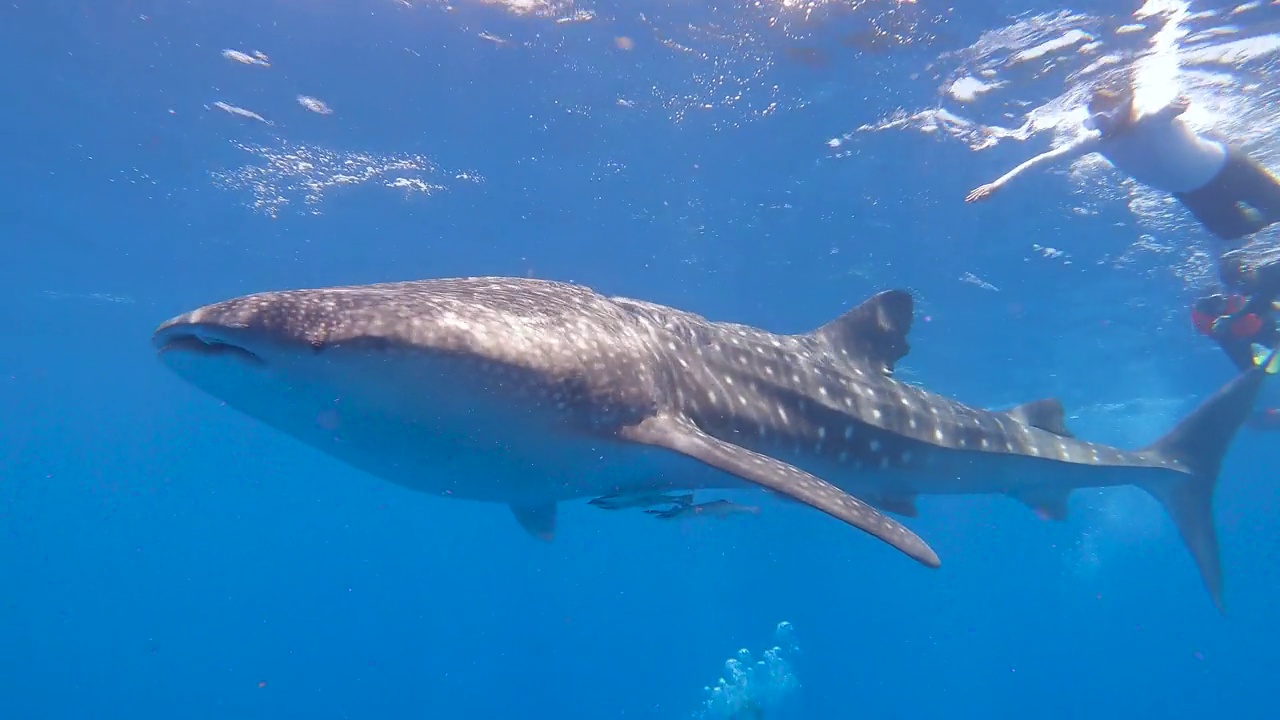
531	392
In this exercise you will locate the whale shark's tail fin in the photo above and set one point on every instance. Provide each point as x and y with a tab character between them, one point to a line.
1198	443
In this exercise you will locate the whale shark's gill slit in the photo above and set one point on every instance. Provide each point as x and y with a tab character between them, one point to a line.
207	346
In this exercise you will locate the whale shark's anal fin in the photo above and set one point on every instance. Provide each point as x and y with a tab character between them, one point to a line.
681	436
904	505
1048	503
1198	445
537	520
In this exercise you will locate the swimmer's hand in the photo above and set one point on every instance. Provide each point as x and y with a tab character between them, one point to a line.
1175	108
982	192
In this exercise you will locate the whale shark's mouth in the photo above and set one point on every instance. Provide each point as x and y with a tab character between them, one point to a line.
188	342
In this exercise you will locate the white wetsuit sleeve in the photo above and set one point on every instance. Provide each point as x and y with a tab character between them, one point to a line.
1083	146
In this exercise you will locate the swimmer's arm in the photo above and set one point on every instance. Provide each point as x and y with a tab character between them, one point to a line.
1083	146
1174	109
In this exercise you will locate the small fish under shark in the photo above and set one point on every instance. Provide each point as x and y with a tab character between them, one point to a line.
532	392
618	501
714	508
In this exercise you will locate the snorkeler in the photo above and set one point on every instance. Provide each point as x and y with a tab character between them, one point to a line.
1243	323
1221	186
1225	189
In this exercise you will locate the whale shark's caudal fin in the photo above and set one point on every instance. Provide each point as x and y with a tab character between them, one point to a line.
1199	443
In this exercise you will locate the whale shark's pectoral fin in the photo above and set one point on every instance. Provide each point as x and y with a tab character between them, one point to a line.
537	520
681	436
1046	414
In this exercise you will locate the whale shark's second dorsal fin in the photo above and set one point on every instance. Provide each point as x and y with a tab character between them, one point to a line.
1046	414
875	331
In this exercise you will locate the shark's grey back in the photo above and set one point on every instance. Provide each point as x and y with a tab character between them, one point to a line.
592	354
421	313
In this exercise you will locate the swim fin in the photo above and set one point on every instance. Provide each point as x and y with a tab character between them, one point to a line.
1266	358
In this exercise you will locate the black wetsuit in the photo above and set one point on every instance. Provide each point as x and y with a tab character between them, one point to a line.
1240	200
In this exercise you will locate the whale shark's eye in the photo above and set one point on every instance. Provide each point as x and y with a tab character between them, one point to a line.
206	346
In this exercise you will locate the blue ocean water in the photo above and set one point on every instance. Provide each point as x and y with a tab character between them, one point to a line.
771	163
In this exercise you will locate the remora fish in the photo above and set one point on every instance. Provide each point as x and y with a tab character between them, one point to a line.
641	500
530	392
714	508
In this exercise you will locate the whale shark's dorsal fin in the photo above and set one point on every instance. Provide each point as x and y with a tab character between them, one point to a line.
1046	414
875	331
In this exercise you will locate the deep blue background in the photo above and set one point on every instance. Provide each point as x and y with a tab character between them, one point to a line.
161	556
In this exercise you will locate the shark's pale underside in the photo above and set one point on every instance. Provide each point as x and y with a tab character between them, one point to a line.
530	392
